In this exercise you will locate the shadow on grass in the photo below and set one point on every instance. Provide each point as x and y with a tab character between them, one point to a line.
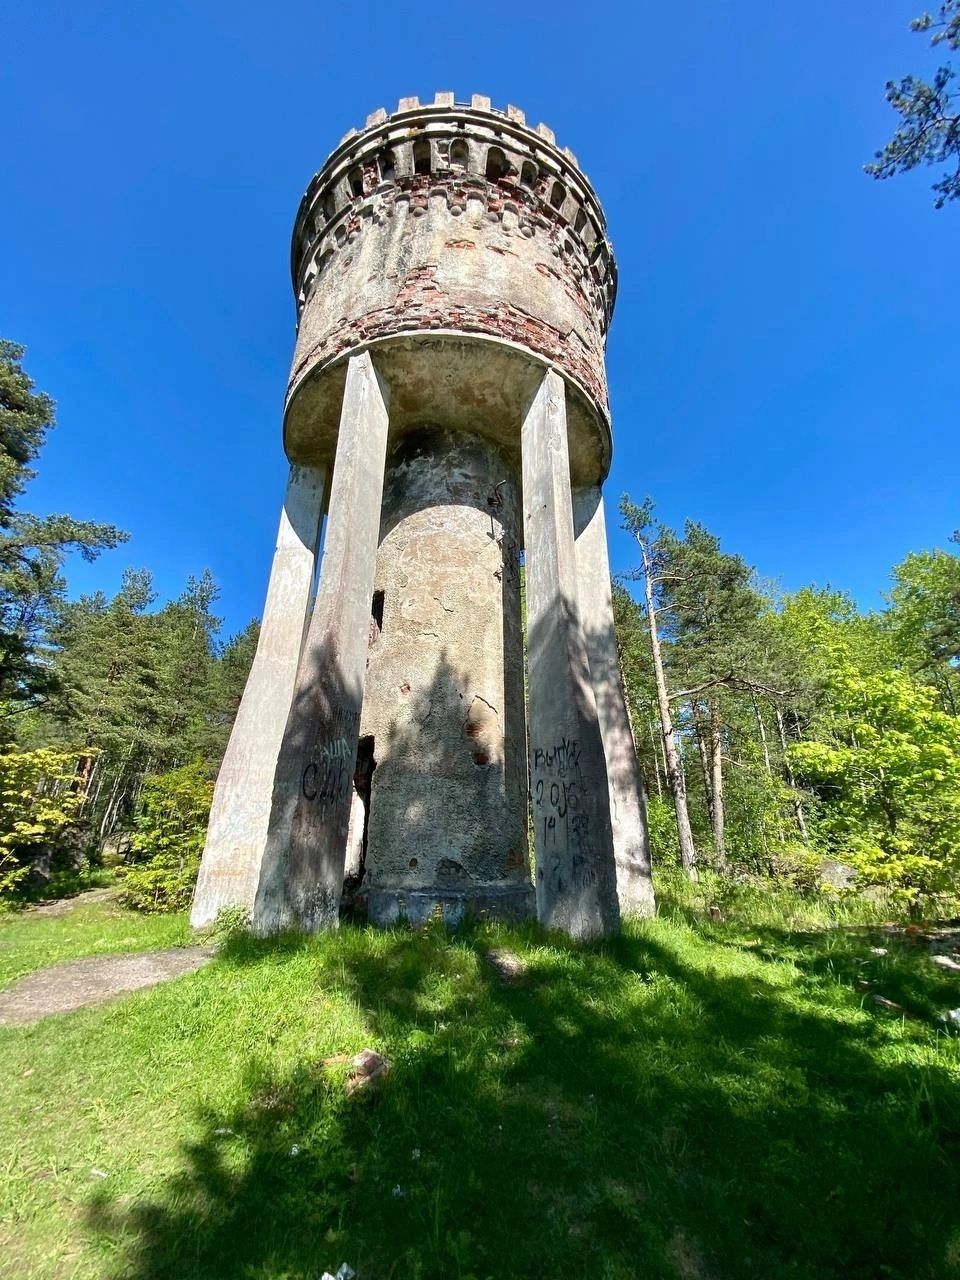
663	1105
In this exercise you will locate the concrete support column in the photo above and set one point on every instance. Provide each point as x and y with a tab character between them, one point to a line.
304	861
239	816
576	876
628	809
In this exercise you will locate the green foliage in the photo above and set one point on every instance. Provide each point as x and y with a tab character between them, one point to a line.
829	731
37	807
929	110
25	417
887	766
32	548
662	828
168	840
924	621
144	687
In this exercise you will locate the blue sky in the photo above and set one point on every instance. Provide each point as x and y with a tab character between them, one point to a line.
782	359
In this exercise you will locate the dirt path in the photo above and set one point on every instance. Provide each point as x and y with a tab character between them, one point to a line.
63	906
94	980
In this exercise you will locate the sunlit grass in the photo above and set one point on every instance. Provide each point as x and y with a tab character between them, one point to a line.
30	940
698	1098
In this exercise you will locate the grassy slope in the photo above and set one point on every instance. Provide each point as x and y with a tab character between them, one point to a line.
693	1100
30	940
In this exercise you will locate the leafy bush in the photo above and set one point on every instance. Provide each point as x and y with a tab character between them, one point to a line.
37	808
662	828
890	769
168	837
797	866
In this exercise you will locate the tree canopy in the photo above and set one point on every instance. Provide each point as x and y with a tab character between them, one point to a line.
929	111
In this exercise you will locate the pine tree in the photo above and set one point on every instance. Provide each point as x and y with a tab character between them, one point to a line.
32	548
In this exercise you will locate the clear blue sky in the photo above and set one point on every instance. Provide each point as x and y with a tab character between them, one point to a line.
783	359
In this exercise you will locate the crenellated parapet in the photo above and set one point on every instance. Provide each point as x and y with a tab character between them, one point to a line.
464	154
461	244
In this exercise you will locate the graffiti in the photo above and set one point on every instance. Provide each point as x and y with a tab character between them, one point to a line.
563	757
561	823
327	778
326	783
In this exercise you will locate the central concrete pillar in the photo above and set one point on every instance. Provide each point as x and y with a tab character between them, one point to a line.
570	803
313	788
443	711
628	809
240	814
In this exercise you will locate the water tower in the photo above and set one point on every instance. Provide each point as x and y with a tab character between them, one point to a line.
409	732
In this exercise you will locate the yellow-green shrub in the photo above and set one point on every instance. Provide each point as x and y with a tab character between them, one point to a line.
167	841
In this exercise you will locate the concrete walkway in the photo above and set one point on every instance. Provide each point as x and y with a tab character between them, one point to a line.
94	980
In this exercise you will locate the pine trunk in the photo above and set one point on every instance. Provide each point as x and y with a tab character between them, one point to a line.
656	758
675	779
716	779
761	728
791	781
701	737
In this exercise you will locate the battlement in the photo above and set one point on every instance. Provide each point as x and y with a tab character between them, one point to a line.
446	102
478	160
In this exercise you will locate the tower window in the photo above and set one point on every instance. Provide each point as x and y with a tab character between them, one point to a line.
558	195
355	182
387	166
329	205
528	173
421	156
459	154
497	166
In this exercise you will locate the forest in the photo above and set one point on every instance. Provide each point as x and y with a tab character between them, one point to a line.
784	737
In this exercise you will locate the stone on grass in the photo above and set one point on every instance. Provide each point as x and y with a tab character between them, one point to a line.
369	1069
507	965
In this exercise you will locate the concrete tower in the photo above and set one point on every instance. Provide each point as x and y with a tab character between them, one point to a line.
447	412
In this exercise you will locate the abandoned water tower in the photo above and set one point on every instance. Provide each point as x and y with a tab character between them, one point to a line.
447	415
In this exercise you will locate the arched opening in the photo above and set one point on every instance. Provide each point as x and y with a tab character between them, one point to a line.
329	206
421	156
355	181
497	166
459	154
388	166
557	195
581	221
528	173
358	830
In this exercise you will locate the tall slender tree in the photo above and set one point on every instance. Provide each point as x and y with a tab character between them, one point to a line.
652	573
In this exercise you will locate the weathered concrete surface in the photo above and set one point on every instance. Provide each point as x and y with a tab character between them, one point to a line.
576	874
450	217
443	701
94	980
240	814
628	811
303	865
462	226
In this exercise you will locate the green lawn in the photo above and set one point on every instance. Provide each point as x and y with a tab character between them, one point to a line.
30	940
695	1100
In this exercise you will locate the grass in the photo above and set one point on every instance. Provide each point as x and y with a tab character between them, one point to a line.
696	1100
32	940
